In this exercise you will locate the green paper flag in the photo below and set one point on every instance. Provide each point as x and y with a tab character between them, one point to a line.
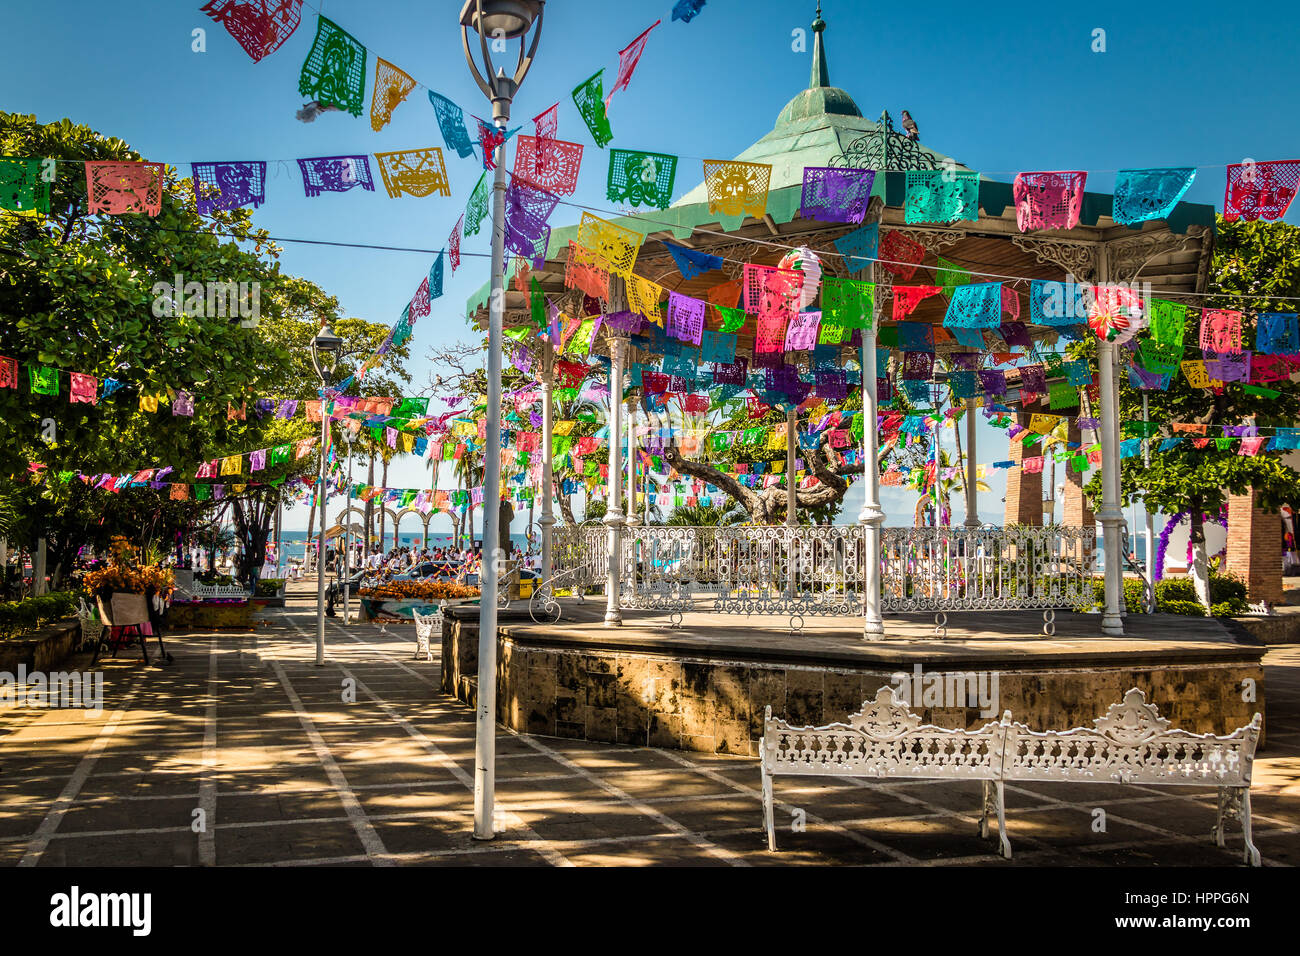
638	178
44	380
1062	395
476	209
1261	391
21	187
949	275
848	302
1140	429
589	97
1168	322
538	302
733	320
334	72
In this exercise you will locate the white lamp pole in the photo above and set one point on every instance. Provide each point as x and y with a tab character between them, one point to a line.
494	20
871	517
324	356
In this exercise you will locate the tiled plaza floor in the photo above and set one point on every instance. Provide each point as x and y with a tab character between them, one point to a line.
243	734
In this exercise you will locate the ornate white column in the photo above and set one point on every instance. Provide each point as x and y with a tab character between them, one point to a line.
972	470
1111	514
614	516
873	628
547	520
631	462
791	493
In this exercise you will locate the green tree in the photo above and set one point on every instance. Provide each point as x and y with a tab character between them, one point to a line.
1262	262
79	293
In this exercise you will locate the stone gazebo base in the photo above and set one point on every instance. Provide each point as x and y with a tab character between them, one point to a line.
704	686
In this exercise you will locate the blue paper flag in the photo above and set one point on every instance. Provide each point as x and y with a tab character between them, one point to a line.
435	277
687	10
1142	194
859	247
451	120
976	305
1278	333
692	263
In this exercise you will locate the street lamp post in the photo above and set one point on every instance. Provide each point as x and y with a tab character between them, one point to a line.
347	535
495	21
324	357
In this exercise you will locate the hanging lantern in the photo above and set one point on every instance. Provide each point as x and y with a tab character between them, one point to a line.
1116	313
804	260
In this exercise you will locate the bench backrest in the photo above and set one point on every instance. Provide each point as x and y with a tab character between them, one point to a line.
884	739
1132	743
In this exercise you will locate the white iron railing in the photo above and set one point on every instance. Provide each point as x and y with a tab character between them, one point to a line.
822	570
986	569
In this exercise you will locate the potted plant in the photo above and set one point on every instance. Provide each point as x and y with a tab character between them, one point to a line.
125	592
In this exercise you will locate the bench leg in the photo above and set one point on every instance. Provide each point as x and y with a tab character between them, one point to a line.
985	803
1225	797
768	820
1251	853
1005	844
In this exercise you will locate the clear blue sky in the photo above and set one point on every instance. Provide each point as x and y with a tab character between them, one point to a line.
1000	87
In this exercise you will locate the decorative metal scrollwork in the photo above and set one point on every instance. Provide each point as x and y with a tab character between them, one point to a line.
885	148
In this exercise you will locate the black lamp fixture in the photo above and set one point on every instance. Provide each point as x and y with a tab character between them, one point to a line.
496	20
325	349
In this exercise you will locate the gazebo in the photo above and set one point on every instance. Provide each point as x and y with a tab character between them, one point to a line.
822	126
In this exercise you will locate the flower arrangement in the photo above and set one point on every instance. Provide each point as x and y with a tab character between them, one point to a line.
122	575
419	591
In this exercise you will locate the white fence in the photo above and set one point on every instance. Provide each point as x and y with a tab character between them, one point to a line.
822	570
986	569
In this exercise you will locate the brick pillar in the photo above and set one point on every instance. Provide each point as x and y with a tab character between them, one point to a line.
1076	510
1024	491
1255	548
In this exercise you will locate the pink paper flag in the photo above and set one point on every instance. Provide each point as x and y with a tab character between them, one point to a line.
628	57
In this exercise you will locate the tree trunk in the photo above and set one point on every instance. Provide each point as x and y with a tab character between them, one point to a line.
311	528
505	515
566	510
369	519
764	507
1200	564
383	515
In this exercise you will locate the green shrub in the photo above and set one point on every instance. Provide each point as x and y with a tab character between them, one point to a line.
1175	589
1187	608
269	587
20	617
1230	608
1227	588
1134	595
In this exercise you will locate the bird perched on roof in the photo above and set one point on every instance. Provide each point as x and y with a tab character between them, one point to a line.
909	126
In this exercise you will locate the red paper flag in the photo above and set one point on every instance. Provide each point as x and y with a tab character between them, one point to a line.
628	57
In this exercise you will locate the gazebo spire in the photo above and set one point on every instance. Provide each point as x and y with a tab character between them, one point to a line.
820	75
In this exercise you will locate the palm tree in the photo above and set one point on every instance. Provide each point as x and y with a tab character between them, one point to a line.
947	487
708	516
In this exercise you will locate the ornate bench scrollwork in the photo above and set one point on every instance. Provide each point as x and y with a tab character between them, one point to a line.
1130	744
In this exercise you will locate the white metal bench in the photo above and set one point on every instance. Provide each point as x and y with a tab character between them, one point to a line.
885	740
1131	743
426	626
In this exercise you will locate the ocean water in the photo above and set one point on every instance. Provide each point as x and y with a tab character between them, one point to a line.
295	541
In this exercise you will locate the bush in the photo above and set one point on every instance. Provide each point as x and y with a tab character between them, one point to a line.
269	587
1134	595
1230	608
21	617
1227	588
1175	589
1187	608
